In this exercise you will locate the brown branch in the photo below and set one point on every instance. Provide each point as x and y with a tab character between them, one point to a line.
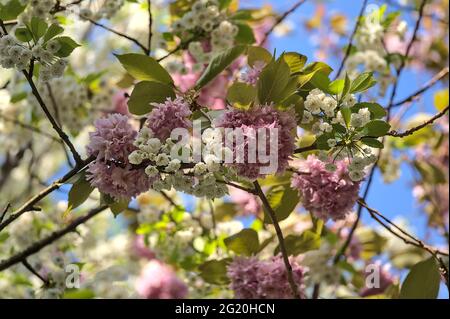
35	272
280	20
273	218
405	57
419	127
311	147
52	120
120	34
5	210
352	36
150	26
30	204
442	74
36	247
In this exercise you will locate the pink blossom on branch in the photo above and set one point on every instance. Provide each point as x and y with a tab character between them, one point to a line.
261	117
255	279
324	193
159	281
167	116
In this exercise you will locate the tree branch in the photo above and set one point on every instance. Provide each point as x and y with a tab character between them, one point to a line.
279	233
281	19
29	205
36	247
419	127
352	36
442	74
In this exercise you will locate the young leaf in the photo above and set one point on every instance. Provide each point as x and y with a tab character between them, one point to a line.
377	128
372	142
52	32
283	199
38	27
215	271
23	34
375	109
219	63
243	243
296	245
79	192
11	9
67	46
273	81
255	54
241	94
310	70
363	82
245	34
147	92
144	68
295	61
118	207
422	281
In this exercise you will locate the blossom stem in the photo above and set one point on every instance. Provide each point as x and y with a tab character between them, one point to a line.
279	233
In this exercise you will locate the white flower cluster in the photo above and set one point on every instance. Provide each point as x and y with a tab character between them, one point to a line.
324	109
319	267
13	54
37	8
71	100
199	180
205	17
105	10
359	163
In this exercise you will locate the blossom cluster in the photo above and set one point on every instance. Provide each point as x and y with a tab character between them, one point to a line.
267	279
13	54
206	18
326	194
111	172
106	10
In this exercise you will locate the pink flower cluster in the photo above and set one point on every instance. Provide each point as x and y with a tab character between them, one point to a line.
251	76
385	280
167	116
255	279
111	173
159	281
324	193
261	117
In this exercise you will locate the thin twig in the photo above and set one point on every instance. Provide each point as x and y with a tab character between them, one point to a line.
30	204
4	212
273	218
150	26
35	272
37	246
30	128
419	127
120	34
442	74
280	20
405	57
352	36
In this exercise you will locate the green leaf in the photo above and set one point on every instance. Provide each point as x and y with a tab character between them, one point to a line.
79	192
310	70
372	142
295	61
377	128
363	82
336	87
38	27
322	141
215	271
23	34
145	68
118	207
255	54
283	199
272	82
241	94
422	282
52	32
219	63
346	114
67	46
245	34
375	109
18	97
79	294
296	245
11	10
245	242
147	92
321	81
